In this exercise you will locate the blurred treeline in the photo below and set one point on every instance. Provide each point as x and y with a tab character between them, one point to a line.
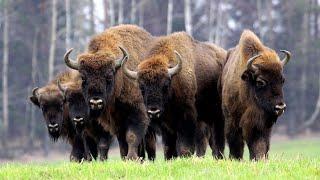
36	33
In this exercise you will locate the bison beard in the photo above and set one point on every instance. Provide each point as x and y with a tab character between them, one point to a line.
252	96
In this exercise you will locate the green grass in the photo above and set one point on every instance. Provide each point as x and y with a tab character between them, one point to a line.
288	160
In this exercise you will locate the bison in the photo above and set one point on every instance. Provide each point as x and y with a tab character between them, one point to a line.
252	95
179	96
51	102
107	92
78	113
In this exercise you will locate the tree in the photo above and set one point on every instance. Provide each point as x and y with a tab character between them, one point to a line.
91	11
141	13
68	24
188	16
169	16
120	12
133	12
5	102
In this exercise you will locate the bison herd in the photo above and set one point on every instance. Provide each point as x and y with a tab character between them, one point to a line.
132	86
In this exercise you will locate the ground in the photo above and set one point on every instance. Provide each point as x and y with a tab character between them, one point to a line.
294	159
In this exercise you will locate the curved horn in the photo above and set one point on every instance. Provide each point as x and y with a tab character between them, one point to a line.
285	60
69	62
35	91
250	62
128	72
61	88
176	69
118	62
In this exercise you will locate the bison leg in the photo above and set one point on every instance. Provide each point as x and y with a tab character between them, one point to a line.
123	146
104	145
92	147
201	139
150	140
87	154
258	144
169	145
186	129
217	139
236	145
141	150
77	152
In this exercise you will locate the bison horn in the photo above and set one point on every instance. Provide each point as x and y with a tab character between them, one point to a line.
69	62
128	72
176	69
35	91
285	60
118	62
61	88
250	62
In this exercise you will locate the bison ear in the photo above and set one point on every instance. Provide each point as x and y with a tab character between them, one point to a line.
34	100
250	44
247	75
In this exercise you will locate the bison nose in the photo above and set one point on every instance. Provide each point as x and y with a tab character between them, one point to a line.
78	120
53	127
96	103
154	112
280	108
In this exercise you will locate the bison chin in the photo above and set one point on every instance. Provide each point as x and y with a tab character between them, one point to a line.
54	136
95	113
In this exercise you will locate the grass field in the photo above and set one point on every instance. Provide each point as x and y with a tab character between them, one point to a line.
298	159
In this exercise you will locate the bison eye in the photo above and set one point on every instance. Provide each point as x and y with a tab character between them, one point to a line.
260	83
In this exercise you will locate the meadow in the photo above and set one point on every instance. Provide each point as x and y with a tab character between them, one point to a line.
298	159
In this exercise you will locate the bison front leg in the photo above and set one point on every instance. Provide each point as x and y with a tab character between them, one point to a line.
150	140
123	146
201	139
87	154
169	144
258	144
104	145
217	139
77	152
137	124
186	129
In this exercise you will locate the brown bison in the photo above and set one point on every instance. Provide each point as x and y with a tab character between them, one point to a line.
78	113
51	102
178	96
107	92
252	96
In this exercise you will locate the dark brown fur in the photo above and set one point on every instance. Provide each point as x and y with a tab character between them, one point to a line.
51	102
248	109
124	112
192	90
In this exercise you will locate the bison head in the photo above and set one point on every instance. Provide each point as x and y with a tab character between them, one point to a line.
264	74
98	72
154	78
74	100
51	102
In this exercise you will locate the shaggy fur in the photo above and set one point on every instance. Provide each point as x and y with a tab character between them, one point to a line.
186	97
51	102
123	112
249	108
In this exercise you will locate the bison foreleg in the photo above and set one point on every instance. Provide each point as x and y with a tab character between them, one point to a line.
258	144
201	139
150	143
235	142
104	145
169	145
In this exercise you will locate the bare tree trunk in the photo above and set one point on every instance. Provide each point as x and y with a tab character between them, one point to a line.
34	62
211	20
259	17
92	26
68	24
106	14
5	102
315	113
109	13
270	24
219	23
120	12
188	16
51	57
133	12
141	13
169	16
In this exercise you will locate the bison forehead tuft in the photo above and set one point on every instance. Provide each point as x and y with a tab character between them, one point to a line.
96	61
